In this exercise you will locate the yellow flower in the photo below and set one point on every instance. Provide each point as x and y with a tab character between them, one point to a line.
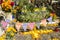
55	39
41	31
13	29
35	35
12	34
14	20
9	29
25	33
3	5
45	31
17	7
51	30
36	9
14	11
38	31
23	10
55	25
44	8
3	37
9	1
9	6
6	4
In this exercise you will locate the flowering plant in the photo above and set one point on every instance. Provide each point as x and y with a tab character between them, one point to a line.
7	5
10	32
27	12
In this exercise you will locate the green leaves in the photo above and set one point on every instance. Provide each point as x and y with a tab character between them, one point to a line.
23	2
32	16
30	12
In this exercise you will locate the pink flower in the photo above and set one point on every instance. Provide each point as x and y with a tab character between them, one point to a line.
31	25
44	22
18	25
4	24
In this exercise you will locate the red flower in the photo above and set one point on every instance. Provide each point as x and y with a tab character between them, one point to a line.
12	4
53	13
1	1
56	30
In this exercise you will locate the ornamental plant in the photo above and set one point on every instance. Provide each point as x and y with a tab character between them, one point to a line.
7	5
28	12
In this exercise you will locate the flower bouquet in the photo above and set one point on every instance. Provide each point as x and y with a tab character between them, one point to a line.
27	12
7	5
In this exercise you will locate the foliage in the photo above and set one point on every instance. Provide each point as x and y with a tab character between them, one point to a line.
28	12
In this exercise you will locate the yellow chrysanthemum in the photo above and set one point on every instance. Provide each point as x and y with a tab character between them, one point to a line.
38	31
24	10
9	6
13	30
12	34
9	1
25	33
36	9
41	31
35	35
3	5
14	20
45	31
6	5
55	39
44	8
17	7
51	30
3	37
14	11
9	29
